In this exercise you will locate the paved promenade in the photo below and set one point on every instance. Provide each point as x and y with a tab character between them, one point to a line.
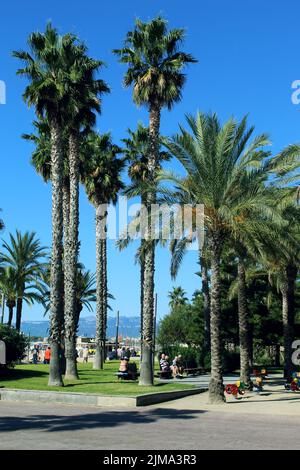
270	420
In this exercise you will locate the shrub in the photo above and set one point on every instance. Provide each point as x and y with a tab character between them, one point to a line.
190	355
230	359
16	344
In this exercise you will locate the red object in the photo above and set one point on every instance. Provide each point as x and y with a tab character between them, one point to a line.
294	387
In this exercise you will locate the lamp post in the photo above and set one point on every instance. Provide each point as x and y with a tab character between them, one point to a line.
2	308
117	333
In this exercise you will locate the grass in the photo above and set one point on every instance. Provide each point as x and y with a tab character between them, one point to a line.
104	382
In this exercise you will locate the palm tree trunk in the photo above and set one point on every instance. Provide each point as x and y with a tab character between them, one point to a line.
10	314
245	352
66	206
19	313
142	269
71	248
100	314
56	296
216	387
146	376
104	294
288	314
206	303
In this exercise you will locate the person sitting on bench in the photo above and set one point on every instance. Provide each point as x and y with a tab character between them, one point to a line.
127	369
165	367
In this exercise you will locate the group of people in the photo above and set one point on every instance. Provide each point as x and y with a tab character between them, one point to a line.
36	355
174	370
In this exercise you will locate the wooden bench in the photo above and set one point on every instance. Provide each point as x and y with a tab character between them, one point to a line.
126	376
164	375
193	371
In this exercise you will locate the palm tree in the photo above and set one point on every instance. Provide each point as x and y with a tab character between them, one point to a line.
46	92
281	259
222	175
136	153
155	68
102	182
83	101
177	297
24	255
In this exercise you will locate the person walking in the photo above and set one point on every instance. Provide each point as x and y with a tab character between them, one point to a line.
47	355
86	354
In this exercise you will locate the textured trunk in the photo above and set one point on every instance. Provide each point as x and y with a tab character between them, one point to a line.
206	304
146	376
19	313
101	214
56	296
245	352
216	387
288	314
66	206
104	294
70	261
10	312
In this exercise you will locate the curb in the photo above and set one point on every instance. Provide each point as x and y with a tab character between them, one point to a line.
44	396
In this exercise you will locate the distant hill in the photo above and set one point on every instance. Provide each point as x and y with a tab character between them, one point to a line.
129	327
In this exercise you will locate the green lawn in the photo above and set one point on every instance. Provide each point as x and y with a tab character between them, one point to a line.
35	377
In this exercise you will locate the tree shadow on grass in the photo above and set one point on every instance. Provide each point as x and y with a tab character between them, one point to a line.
17	374
94	420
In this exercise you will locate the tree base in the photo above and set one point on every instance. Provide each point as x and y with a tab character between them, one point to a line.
146	376
99	358
216	392
55	377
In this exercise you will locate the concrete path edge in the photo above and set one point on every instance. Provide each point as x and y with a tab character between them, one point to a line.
94	400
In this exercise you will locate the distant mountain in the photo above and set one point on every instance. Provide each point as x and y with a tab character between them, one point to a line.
129	327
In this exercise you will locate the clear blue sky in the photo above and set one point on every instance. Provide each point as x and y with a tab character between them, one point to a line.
248	56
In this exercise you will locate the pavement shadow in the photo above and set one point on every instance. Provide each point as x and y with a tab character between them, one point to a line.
95	420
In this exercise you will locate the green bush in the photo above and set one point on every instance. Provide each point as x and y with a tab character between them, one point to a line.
190	355
231	361
16	344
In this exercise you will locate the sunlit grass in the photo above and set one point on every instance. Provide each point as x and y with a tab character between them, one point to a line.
104	382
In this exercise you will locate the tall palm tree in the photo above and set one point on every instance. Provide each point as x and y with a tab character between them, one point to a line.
155	69
102	182
221	174
46	92
177	297
281	260
136	153
83	101
24	254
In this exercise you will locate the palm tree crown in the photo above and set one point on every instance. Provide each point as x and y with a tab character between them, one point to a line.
154	62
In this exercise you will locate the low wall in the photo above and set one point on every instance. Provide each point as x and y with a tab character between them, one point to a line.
94	400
